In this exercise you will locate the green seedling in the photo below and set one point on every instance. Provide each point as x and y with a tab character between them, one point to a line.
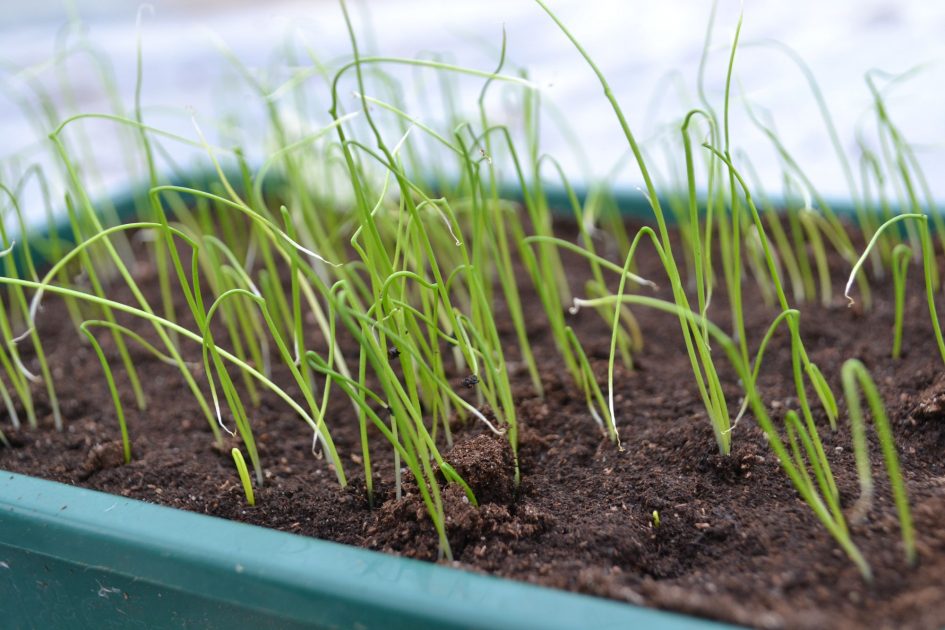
900	267
928	266
336	250
856	380
246	482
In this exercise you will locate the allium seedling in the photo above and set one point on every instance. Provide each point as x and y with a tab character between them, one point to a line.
245	480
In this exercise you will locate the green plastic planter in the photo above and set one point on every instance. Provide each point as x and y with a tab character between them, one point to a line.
75	558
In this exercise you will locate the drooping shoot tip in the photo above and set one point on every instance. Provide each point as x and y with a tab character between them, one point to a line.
22	336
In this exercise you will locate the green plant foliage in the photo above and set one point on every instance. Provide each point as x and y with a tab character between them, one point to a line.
373	257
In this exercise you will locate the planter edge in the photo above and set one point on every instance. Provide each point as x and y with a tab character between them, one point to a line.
77	557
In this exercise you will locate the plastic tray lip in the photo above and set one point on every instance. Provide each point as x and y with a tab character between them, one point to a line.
286	575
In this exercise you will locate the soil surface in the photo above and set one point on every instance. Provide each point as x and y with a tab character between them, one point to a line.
734	541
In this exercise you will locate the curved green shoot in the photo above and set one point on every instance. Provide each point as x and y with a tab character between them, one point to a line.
17	297
244	476
828	513
900	267
113	390
800	358
856	380
161	323
700	355
928	267
806	218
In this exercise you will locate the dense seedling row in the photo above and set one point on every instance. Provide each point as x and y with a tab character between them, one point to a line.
366	259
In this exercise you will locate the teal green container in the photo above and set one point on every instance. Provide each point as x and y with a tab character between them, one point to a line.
74	558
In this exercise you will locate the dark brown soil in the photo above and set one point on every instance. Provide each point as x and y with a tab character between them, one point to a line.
734	541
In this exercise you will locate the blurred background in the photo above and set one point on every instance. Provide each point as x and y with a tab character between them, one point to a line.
62	58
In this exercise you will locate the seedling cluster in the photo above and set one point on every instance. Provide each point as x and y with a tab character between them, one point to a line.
351	265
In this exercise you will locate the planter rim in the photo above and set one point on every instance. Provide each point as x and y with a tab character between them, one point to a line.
296	579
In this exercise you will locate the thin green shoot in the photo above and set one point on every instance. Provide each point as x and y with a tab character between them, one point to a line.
901	255
928	265
700	355
245	481
19	299
828	513
857	380
809	224
161	323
